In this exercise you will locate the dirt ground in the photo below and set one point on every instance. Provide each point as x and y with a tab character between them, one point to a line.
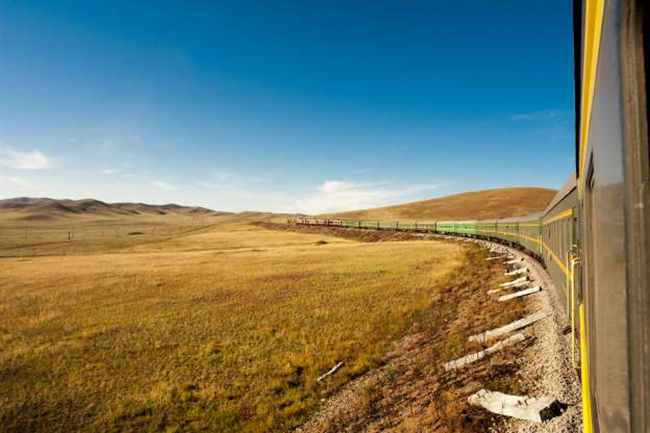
362	235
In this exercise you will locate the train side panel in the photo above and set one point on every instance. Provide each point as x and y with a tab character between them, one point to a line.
602	171
530	234
559	235
507	230
486	228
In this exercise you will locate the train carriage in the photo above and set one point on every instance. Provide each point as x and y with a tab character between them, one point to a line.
560	238
349	223
486	228
456	227
389	224
428	226
466	227
613	168
406	225
368	224
446	227
508	230
530	233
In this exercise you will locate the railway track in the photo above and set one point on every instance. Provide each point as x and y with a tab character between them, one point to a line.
548	362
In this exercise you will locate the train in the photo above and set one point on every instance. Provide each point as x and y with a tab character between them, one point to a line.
594	235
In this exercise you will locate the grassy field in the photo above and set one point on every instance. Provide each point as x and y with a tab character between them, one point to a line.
80	234
226	329
485	204
78	237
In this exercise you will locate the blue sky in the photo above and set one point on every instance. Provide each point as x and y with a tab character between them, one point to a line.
283	106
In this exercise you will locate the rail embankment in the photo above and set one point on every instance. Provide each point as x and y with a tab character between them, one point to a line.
412	390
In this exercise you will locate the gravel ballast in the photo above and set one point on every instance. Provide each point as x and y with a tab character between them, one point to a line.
547	364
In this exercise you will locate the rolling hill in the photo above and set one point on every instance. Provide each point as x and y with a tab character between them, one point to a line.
484	204
47	209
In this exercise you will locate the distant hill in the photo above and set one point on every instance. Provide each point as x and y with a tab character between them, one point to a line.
255	216
47	209
485	204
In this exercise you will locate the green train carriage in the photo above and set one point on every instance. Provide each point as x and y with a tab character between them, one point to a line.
456	227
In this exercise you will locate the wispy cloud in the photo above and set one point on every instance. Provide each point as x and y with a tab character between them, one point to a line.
536	115
34	160
225	181
17	181
340	195
213	185
163	185
124	170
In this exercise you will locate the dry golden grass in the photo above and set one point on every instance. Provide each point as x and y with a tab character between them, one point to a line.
88	233
40	231
411	391
225	330
47	210
486	204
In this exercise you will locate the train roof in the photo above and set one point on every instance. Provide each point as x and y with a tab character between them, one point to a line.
568	186
458	222
531	217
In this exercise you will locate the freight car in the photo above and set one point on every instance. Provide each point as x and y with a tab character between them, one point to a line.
594	236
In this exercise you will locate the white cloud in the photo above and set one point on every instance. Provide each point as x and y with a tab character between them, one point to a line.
163	185
34	160
336	186
123	170
17	181
339	195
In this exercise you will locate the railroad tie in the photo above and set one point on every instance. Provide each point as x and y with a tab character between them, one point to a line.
526	408
517	272
468	359
514	283
518	324
519	294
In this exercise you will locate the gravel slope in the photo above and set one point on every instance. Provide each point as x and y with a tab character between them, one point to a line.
548	362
